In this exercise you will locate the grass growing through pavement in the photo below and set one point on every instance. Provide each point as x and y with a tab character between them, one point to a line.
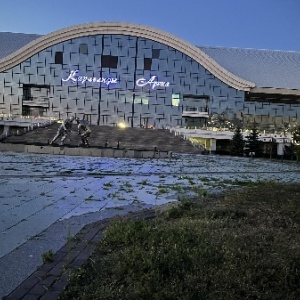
241	245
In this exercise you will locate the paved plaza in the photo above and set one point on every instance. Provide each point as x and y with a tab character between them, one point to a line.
46	199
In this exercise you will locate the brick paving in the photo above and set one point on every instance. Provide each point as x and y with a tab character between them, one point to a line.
50	279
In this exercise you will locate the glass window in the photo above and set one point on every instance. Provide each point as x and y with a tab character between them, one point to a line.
109	61
83	49
26	92
147	64
59	58
145	101
175	99
35	92
155	53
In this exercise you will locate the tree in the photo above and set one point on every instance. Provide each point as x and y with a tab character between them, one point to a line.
237	143
296	143
253	143
296	135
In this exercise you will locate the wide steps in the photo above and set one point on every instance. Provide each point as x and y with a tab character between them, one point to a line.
127	138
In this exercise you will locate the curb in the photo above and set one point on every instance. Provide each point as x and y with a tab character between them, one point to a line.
51	279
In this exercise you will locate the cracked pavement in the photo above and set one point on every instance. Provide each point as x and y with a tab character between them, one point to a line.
45	199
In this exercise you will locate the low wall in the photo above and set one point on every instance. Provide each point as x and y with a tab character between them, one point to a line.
96	152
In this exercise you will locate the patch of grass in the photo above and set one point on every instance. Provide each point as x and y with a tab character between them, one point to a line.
47	256
162	189
177	187
96	174
107	185
68	171
244	244
144	182
127	184
200	191
206	179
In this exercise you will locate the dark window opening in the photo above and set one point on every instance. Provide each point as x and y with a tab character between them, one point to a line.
83	49
26	92
59	58
32	92
195	122
196	103
35	100
155	53
34	111
273	98
26	111
109	61
147	64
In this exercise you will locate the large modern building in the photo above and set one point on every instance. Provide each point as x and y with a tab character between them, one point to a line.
114	73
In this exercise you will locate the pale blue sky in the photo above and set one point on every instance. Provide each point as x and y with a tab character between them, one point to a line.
259	24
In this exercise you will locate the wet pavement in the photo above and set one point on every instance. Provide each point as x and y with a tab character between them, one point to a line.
46	199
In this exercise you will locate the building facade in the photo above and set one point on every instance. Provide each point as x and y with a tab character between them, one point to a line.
112	73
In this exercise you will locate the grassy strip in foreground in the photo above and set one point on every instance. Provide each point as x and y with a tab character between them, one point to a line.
244	245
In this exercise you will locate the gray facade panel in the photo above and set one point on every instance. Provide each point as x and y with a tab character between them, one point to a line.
110	103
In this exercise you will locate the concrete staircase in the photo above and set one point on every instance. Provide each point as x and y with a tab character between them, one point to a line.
110	137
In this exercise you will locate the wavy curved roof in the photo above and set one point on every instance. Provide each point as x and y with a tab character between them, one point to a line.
266	68
42	42
11	42
243	69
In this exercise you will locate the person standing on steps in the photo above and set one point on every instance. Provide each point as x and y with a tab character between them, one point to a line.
63	130
84	131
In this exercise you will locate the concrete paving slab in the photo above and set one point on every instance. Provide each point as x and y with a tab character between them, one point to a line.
44	199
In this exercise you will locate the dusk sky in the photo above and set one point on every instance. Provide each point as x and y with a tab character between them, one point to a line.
258	24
